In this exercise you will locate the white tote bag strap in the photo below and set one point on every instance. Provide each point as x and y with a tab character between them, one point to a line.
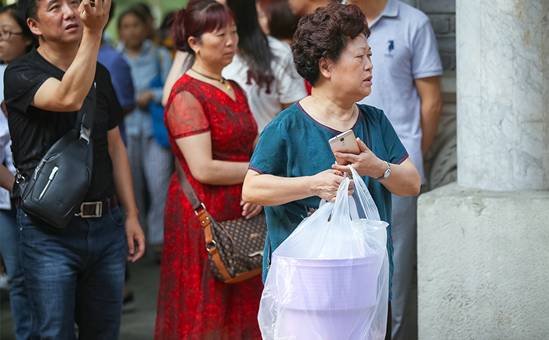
365	199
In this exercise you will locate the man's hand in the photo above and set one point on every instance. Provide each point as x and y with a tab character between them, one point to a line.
136	239
366	163
94	14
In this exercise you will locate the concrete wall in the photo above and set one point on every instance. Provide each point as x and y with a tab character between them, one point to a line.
482	254
483	265
503	86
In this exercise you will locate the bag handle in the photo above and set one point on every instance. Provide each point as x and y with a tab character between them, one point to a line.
86	115
341	204
364	197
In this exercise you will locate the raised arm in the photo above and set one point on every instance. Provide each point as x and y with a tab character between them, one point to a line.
67	94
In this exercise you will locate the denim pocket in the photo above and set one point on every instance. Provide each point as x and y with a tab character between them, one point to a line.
24	221
34	234
117	216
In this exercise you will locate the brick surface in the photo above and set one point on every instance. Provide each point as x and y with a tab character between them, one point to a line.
437	6
442	14
411	2
441	23
447	50
453	24
448	61
447	44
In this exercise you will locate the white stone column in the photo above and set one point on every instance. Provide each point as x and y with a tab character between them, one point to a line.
483	243
503	99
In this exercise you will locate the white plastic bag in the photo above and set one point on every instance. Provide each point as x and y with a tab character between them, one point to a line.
329	279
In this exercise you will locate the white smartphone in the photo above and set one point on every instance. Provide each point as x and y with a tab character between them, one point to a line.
344	142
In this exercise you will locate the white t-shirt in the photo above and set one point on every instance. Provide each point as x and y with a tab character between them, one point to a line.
287	87
5	152
2	70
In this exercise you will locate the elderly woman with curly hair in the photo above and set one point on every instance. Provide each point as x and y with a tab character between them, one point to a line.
292	167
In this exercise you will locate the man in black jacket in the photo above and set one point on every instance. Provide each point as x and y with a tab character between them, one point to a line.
74	274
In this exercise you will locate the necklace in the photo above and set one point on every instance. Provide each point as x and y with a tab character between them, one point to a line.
221	80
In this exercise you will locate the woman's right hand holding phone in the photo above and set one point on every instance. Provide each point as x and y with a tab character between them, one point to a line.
366	163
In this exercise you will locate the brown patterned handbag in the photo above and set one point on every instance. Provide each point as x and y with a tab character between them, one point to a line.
235	247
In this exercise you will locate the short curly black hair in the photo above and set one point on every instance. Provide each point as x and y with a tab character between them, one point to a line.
324	34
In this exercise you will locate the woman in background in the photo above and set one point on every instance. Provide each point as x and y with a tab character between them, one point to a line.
263	67
151	162
276	19
212	134
15	40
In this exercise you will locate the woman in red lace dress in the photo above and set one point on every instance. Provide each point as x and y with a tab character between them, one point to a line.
212	133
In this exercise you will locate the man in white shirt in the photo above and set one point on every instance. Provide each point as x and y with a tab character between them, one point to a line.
406	78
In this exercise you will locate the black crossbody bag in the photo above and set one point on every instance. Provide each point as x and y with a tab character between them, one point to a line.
62	178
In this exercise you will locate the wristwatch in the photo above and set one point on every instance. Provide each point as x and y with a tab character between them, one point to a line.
386	173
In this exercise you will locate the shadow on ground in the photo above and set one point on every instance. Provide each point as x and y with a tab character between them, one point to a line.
136	325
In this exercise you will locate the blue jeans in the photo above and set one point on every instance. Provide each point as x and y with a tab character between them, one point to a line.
75	275
20	306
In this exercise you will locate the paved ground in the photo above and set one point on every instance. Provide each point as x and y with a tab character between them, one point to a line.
136	325
139	324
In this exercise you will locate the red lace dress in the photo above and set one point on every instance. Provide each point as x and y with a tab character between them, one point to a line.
191	303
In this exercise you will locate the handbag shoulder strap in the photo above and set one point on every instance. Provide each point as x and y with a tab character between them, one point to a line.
188	189
86	115
206	224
